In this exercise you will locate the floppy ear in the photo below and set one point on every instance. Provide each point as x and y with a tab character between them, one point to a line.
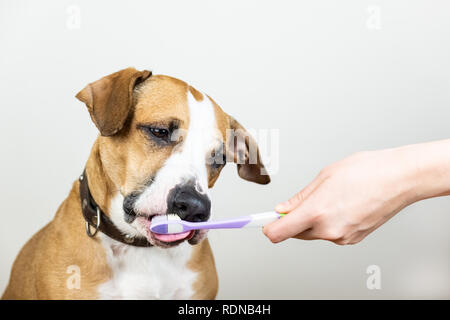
243	150
110	99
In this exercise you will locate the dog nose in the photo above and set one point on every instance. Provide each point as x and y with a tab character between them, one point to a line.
189	204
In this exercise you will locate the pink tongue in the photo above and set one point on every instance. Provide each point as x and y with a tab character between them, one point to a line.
171	237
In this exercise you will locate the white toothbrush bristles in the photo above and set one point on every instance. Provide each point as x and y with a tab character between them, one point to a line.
173	217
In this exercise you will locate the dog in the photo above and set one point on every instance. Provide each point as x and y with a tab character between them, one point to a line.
161	146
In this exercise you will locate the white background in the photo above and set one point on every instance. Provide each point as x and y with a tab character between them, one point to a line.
335	77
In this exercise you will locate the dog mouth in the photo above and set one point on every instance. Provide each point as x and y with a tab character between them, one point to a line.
168	240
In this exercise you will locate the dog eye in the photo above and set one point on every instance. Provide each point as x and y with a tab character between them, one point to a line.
159	133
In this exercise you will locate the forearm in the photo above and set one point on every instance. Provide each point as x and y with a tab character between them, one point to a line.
431	169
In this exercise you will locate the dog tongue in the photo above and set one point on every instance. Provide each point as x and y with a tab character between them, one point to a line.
171	237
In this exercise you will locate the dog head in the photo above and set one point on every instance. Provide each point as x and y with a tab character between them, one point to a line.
162	145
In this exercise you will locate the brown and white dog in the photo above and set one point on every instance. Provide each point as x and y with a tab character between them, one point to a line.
162	145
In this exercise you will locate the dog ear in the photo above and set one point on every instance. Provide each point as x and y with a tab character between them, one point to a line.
110	99
243	150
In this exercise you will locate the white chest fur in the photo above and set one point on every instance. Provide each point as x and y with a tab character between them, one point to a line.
147	273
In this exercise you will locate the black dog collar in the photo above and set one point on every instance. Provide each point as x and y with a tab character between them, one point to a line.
97	219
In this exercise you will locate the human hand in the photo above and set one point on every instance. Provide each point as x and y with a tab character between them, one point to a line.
353	197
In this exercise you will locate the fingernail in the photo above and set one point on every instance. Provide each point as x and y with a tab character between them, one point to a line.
281	207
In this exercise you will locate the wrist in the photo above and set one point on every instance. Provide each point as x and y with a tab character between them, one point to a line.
428	169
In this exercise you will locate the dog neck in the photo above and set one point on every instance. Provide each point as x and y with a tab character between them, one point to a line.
101	187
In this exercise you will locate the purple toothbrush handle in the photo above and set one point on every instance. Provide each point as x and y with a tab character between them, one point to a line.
224	224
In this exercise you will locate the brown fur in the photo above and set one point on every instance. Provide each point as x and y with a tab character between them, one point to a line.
109	99
120	160
40	269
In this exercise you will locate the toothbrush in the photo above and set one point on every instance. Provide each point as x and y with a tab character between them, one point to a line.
172	223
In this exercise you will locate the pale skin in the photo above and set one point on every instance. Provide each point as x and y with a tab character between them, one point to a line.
351	198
